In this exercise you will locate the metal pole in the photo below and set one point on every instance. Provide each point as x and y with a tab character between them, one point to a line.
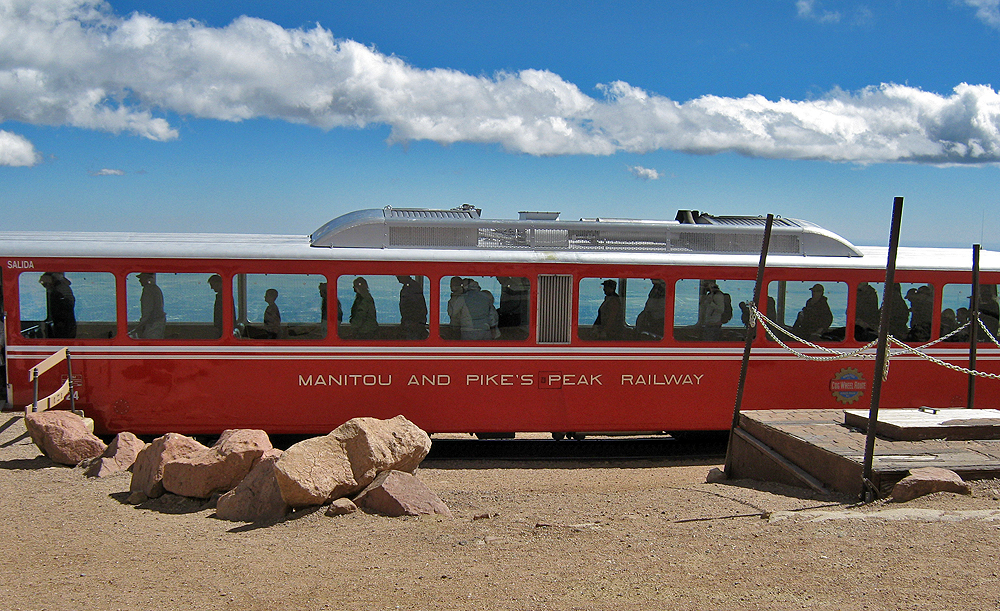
34	381
974	326
758	286
69	373
868	490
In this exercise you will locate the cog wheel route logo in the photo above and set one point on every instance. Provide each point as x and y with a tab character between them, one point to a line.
848	385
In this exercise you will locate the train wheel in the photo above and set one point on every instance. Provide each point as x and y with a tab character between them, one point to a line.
577	436
558	436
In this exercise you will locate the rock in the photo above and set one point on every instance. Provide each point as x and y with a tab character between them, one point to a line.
715	476
137	497
201	473
341	506
257	498
320	469
927	480
314	471
147	471
395	493
375	445
63	436
119	456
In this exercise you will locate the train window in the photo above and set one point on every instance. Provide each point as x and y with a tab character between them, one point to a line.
704	309
382	307
626	309
911	307
810	310
470	309
956	302
171	306
67	305
280	306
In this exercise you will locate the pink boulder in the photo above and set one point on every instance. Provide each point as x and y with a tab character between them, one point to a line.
208	471
119	456
375	445
927	480
320	469
147	471
394	494
257	498
63	436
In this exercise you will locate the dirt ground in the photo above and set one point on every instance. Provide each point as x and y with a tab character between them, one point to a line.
533	536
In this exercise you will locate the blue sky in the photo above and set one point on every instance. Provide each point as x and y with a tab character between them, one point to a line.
274	117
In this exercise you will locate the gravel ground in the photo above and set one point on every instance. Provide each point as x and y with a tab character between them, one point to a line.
526	535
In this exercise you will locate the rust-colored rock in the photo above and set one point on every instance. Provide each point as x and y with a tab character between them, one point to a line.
320	469
204	472
341	506
147	471
395	493
375	445
63	436
257	498
120	455
315	471
927	480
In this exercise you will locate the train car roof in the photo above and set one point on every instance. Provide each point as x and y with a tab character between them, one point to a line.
714	241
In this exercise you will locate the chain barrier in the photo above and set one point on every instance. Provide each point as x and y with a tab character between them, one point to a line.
770	326
982	326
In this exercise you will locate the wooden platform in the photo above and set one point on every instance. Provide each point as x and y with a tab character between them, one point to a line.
929	423
817	449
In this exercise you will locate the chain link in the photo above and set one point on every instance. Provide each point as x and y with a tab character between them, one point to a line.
770	326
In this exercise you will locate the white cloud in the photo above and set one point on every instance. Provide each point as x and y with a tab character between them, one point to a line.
74	62
16	150
108	172
808	9
987	11
644	173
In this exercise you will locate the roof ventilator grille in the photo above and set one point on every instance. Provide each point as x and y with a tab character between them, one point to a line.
462	228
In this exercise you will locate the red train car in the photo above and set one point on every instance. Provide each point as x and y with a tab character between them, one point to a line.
465	324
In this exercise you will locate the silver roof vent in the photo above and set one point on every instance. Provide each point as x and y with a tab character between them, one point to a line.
462	228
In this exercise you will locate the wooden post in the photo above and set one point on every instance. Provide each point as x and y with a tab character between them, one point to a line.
757	289
868	490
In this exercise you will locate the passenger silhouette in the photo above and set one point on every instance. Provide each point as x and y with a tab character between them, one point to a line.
610	322
921	311
649	323
989	308
364	322
949	322
272	315
215	281
152	318
815	317
514	304
458	314
412	308
711	309
866	315
482	316
899	313
60	306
